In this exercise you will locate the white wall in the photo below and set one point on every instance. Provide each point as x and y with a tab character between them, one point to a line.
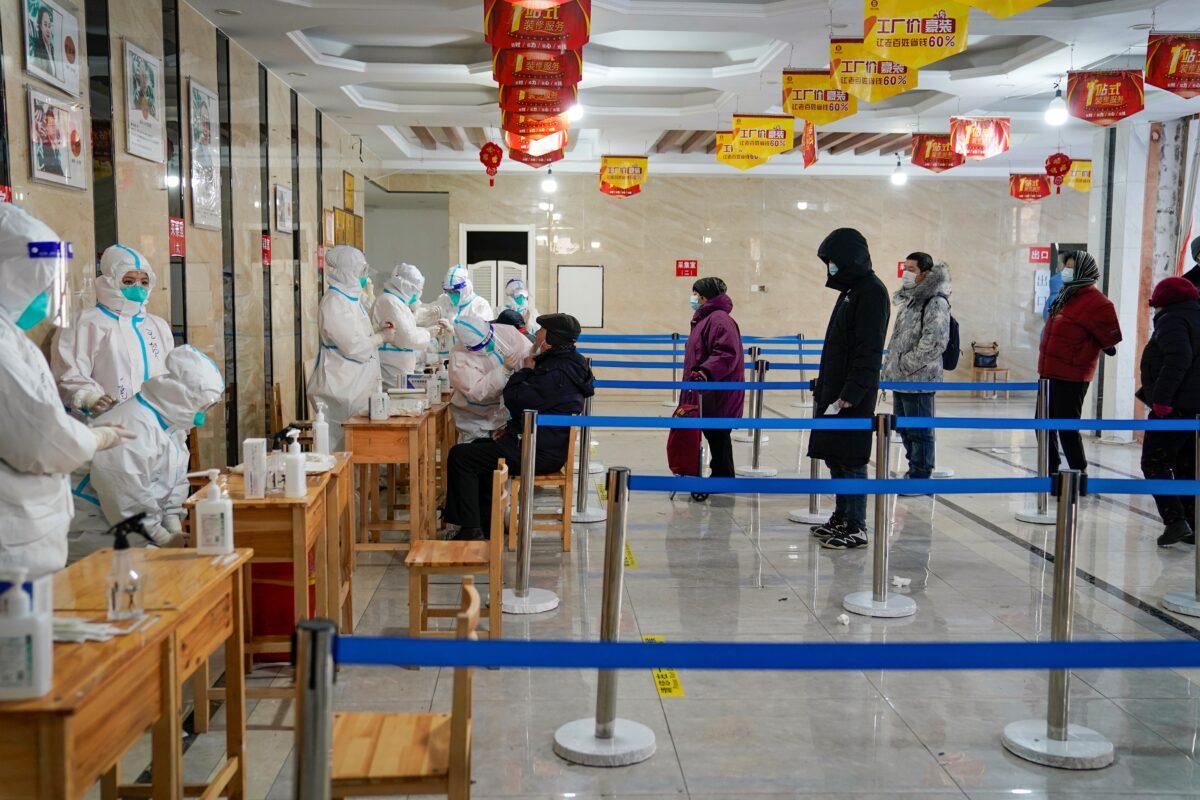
414	232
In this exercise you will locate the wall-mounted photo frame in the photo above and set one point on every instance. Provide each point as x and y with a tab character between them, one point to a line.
348	192
329	230
341	224
283	208
52	44
57	141
145	134
581	293
203	155
358	232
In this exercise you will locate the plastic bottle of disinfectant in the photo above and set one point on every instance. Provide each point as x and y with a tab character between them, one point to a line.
320	431
214	515
295	484
26	641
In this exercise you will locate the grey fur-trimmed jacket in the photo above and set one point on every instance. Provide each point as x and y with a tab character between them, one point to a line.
921	332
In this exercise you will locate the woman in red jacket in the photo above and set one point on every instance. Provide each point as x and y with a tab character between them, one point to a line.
1081	324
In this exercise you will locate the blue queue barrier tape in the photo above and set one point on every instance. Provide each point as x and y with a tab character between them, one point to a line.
679	365
924	656
1049	424
843	486
1134	486
920	386
705	386
709	423
783	351
658	338
630	351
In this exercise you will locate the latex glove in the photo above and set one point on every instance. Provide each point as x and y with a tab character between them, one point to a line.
173	525
109	436
444	326
91	400
164	538
513	361
1161	410
377	339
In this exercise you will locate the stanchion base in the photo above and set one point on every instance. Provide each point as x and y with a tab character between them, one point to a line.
863	603
802	404
1083	749
670	403
942	472
748	438
803	516
632	743
538	601
1182	603
590	514
1034	518
595	468
756	472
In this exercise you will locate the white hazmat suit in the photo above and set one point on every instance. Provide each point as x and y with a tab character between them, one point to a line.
115	345
460	293
518	300
398	353
347	369
480	365
39	443
148	474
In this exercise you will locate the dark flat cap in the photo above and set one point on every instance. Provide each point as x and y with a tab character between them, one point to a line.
560	328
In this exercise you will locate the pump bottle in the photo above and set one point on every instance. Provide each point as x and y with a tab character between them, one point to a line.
214	518
320	431
379	404
294	481
125	582
26	641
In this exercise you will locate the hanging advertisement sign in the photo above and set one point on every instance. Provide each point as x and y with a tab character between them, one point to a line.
537	162
535	147
538	4
1173	62
812	95
914	32
808	144
1005	8
1028	187
934	152
1105	96
5	194
524	67
538	99
563	27
1079	177
533	126
865	75
763	135
266	249
623	176
728	154
176	238
978	138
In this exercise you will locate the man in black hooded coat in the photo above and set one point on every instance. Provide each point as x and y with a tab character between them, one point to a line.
848	382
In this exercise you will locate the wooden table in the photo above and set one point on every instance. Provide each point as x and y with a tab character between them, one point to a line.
447	437
339	542
407	441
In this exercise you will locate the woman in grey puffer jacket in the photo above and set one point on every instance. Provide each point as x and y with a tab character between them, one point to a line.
915	350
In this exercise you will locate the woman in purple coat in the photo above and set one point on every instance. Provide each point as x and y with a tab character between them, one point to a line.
714	353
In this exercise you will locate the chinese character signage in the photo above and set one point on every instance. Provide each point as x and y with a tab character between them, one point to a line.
564	27
812	95
763	135
266	249
538	161
1005	8
524	67
538	99
1079	177
932	151
1173	63
1039	255
808	144
728	154
533	126
1103	97
977	138
865	75
5	194
176	241
534	147
914	32
623	176
686	267
1028	187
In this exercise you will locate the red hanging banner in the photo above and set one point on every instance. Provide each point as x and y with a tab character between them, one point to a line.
537	162
1028	187
1173	62
538	99
5	193
533	126
933	151
535	147
524	67
564	27
978	138
266	249
808	144
176	237
1103	97
537	5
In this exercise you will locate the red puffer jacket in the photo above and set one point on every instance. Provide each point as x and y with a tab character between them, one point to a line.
1073	338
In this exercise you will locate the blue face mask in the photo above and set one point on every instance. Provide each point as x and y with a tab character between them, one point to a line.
137	294
412	301
520	300
454	297
199	419
695	303
833	269
362	282
35	312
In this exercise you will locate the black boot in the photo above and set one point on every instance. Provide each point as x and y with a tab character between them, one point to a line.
1175	532
468	535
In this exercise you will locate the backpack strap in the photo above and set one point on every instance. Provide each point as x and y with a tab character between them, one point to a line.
930	300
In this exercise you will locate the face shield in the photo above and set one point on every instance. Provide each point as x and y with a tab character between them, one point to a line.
49	266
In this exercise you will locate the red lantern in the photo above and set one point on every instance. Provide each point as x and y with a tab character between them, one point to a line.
491	155
1057	167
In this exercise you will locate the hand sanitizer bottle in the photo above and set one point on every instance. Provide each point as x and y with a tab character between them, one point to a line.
320	431
294	481
26	641
214	518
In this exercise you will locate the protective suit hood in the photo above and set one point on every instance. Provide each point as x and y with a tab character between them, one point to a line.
457	280
116	261
22	278
473	333
406	281
516	288
191	383
344	265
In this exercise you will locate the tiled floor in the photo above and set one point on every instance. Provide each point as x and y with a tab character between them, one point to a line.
735	569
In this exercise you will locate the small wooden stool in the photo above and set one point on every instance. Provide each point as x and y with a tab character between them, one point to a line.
994	373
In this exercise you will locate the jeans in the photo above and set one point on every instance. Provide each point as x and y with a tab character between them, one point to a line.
919	442
1170	455
1066	402
849	509
721	450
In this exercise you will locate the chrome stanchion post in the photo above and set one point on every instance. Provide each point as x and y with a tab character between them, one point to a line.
813	514
1188	603
606	740
314	709
747	436
755	470
522	599
584	511
804	401
674	401
1054	742
878	602
1041	515
585	445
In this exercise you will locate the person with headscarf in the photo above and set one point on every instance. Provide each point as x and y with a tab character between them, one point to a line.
847	384
149	473
116	344
518	300
1081	324
714	353
553	380
480	366
404	338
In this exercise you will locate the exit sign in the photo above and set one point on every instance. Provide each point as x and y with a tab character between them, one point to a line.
1039	255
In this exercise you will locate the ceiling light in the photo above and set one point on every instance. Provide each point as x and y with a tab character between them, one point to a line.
802	205
1056	112
707	239
543	206
899	176
172	181
556	216
549	185
228	12
575	113
595	244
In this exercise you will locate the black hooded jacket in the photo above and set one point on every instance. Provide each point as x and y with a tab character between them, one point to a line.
853	351
1170	364
557	384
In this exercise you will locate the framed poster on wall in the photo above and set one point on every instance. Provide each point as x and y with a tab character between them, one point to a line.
341	219
57	137
581	293
145	135
358	232
328	230
348	192
283	208
205	174
52	50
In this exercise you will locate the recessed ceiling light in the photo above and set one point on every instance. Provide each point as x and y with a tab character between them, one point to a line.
1141	26
839	26
298	74
228	12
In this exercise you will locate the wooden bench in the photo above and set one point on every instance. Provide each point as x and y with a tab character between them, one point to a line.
564	482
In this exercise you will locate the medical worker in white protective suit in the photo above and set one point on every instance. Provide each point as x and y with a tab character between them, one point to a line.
460	293
116	344
347	369
148	474
518	300
406	339
40	445
480	365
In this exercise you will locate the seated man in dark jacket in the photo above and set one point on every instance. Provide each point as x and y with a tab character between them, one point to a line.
554	381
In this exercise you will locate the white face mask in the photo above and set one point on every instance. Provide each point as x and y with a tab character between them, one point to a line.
909	280
1068	275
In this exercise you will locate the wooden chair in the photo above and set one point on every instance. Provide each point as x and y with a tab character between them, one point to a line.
436	557
564	481
416	753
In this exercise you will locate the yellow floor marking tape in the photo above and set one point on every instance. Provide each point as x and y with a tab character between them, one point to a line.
630	558
602	491
665	680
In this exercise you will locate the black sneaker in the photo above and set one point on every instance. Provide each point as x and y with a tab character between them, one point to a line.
827	530
469	535
846	540
1177	531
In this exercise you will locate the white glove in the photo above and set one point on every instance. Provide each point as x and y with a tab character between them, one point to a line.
377	339
91	400
109	436
165	538
173	525
513	361
444	326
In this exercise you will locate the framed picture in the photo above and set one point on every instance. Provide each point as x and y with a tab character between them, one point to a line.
329	230
581	293
283	208
203	125
57	137
348	192
341	222
358	232
52	44
145	136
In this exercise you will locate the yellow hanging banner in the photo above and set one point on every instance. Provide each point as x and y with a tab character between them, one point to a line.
1079	177
1005	8
812	95
726	154
623	176
865	75
914	32
763	135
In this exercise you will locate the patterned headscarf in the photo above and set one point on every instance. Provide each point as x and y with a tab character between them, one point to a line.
1087	272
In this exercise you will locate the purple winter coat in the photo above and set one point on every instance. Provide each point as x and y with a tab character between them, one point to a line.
714	347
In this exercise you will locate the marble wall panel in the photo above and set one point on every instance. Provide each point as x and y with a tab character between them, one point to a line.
309	218
283	312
